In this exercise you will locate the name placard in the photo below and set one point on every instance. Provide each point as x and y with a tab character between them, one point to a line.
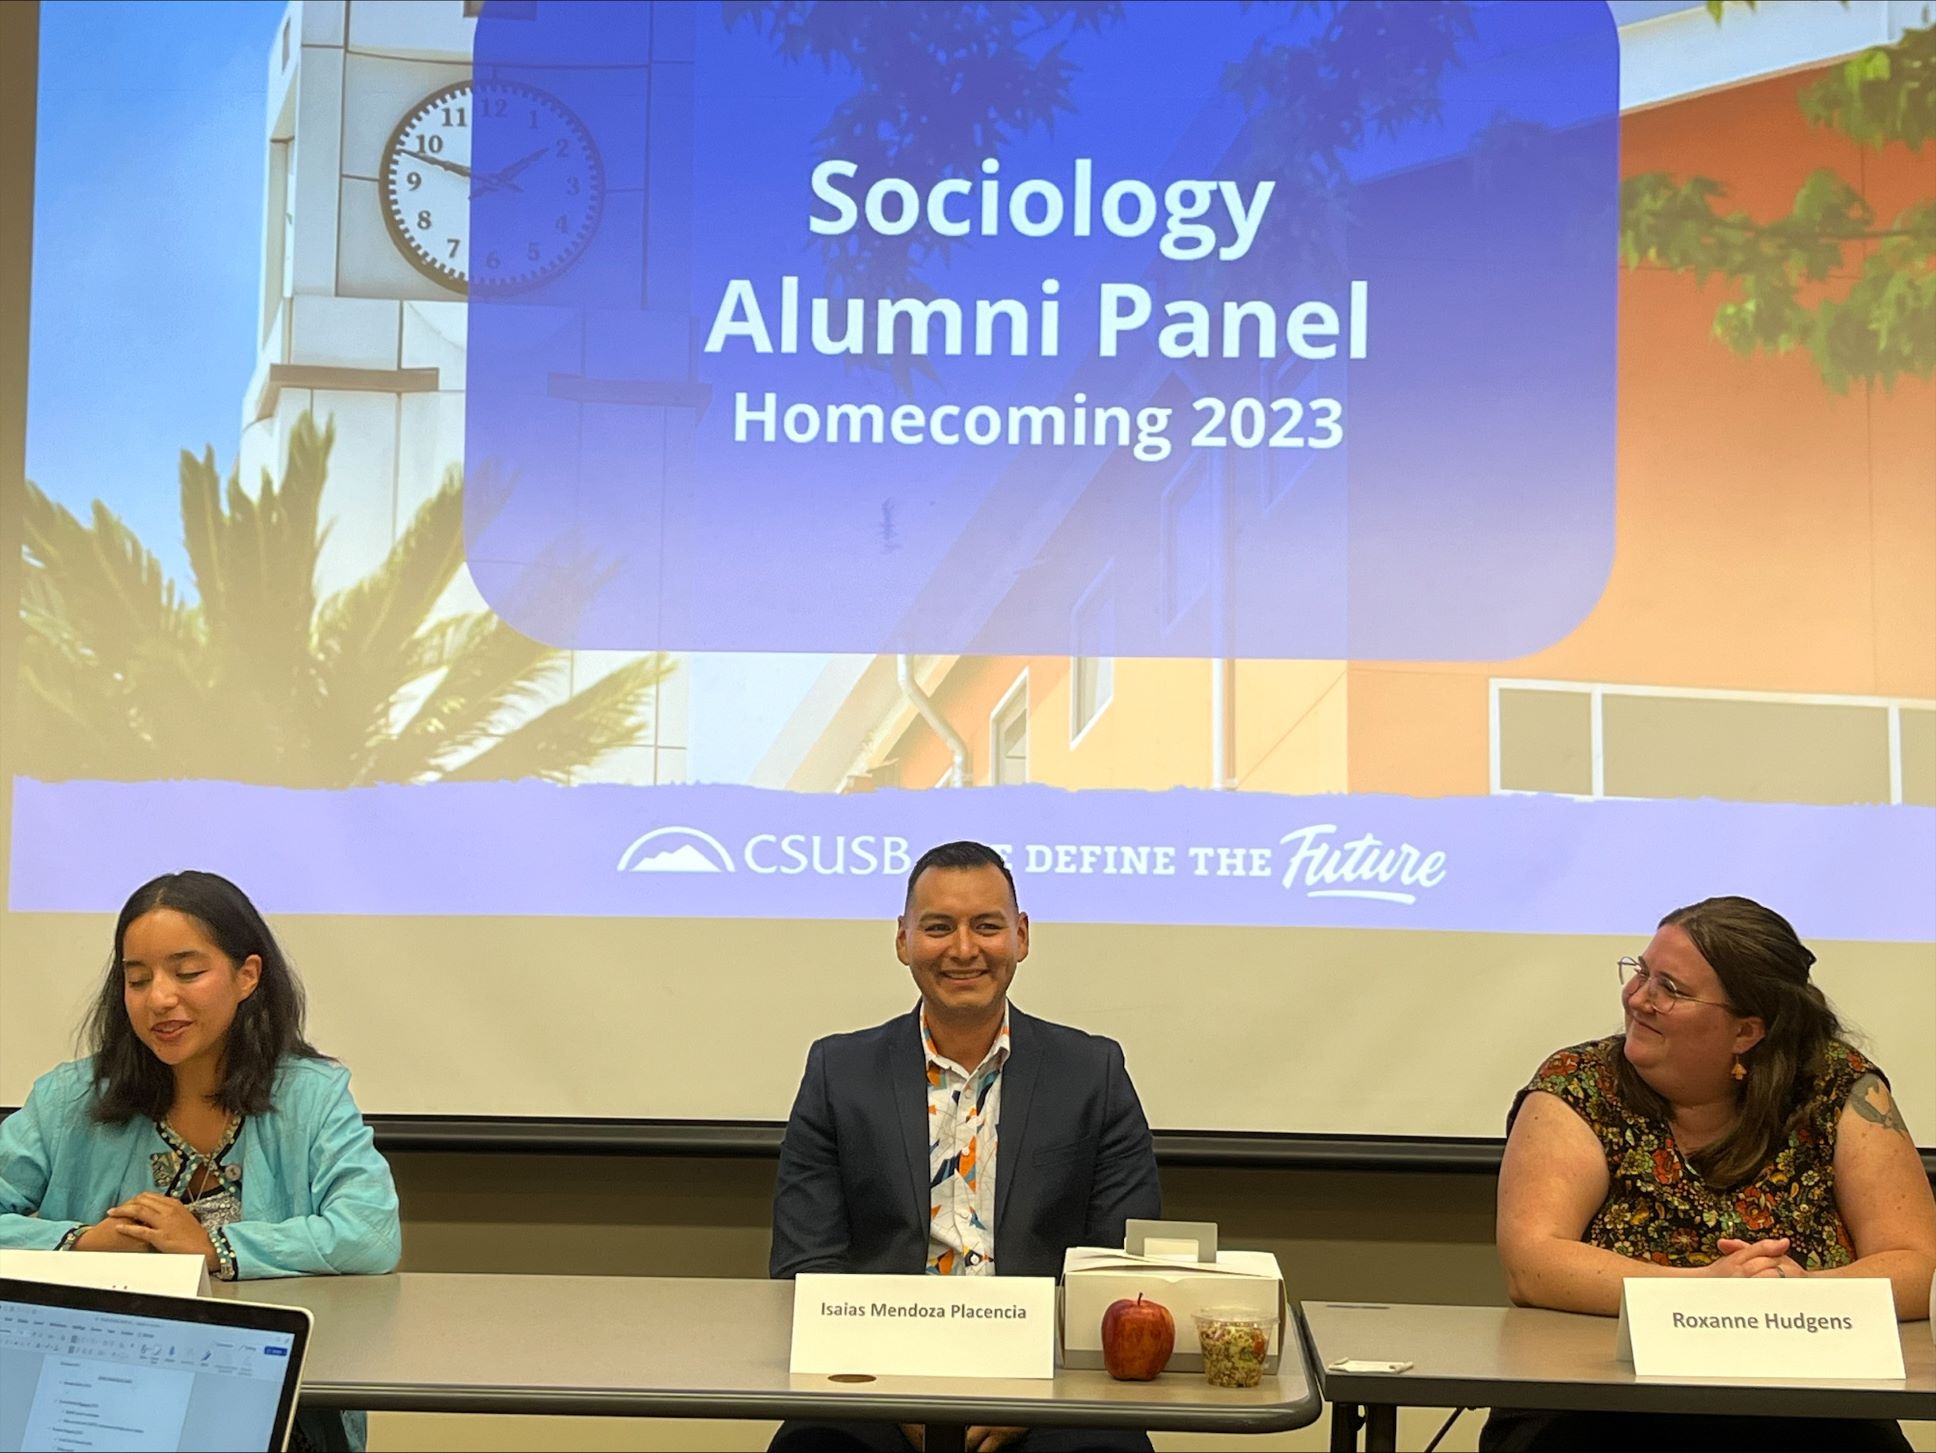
924	1326
1760	1328
167	1273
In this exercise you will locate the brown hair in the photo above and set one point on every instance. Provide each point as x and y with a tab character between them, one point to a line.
268	1025
1763	968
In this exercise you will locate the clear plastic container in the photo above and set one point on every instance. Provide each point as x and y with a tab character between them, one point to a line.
1235	1343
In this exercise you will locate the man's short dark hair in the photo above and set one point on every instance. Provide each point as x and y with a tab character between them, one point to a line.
964	854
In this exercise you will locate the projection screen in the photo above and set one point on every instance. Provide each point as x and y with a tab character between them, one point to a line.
563	503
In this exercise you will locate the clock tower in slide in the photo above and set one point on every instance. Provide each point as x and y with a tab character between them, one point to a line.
367	267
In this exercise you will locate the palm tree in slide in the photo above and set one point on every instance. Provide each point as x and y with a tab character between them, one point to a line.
259	680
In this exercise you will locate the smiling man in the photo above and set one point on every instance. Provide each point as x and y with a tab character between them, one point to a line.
965	1138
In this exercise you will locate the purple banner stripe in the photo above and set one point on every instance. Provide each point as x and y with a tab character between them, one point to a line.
1486	864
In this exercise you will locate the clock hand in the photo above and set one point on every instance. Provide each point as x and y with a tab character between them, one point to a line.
438	161
502	176
521	163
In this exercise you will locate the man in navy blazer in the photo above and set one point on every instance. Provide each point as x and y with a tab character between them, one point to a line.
1075	1159
898	1131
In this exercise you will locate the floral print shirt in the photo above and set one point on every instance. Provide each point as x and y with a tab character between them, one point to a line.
1659	1209
964	1109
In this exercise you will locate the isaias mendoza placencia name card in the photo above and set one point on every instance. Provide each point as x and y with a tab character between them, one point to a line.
924	1326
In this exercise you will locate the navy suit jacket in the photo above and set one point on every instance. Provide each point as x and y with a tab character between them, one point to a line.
1073	1157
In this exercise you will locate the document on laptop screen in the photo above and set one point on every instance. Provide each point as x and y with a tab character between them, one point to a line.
73	1379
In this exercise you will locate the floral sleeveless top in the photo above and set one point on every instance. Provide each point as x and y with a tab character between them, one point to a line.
1659	1209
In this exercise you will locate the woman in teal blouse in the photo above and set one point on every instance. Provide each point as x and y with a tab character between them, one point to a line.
202	1120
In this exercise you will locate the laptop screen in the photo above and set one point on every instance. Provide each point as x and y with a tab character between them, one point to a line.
84	1368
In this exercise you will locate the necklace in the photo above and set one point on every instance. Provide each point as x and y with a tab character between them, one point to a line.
191	1164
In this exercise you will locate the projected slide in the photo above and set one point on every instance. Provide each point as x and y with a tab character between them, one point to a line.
1366	468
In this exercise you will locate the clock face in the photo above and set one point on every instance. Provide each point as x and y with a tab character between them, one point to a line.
538	207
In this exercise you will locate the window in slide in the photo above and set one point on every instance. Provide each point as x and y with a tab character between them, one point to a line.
1289	386
1189	537
1008	737
1589	740
1092	670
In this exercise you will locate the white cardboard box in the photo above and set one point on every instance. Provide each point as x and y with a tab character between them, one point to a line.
1094	1276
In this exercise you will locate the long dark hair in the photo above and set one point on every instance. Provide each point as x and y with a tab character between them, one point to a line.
128	1079
1763	968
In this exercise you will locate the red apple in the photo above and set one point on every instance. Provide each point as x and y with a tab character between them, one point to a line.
1137	1339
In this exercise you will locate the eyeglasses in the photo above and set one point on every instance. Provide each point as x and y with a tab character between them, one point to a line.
1665	995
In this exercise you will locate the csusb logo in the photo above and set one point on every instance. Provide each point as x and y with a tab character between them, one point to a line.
1365	867
688	850
676	850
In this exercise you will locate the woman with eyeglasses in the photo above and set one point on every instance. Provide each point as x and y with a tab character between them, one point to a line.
202	1121
1730	1131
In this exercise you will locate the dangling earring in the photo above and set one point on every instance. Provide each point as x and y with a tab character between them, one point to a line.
1740	1071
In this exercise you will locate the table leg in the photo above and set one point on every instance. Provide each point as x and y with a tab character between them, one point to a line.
1345	1422
946	1438
1381	1427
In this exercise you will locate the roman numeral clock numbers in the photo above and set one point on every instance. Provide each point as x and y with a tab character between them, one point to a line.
540	199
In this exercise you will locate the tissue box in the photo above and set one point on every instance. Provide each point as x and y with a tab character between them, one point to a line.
1094	1276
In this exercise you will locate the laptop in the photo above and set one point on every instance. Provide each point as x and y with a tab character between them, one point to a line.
89	1367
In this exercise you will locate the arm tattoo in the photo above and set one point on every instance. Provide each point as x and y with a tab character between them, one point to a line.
1873	1102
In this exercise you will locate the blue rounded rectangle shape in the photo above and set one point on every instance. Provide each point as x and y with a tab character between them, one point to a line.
1149	330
